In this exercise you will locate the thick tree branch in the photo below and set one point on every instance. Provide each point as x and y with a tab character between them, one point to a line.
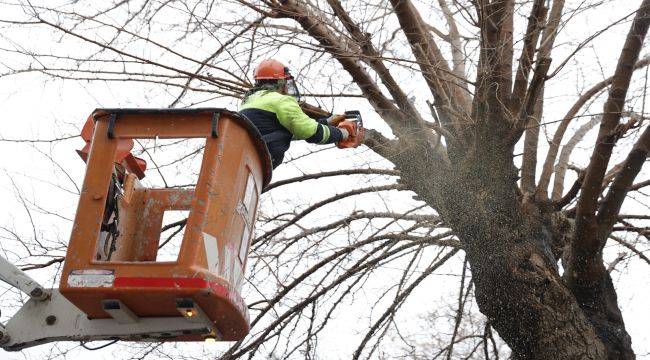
586	242
536	20
531	140
330	43
547	170
611	205
373	57
585	274
430	59
565	155
454	40
542	66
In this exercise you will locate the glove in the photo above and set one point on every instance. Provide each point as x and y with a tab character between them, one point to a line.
345	134
334	120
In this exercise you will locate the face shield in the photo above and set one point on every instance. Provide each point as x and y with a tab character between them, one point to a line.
292	88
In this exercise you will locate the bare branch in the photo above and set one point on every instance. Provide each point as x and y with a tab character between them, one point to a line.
333	173
547	170
563	161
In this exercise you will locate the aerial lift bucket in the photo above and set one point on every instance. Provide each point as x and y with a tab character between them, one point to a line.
112	286
117	213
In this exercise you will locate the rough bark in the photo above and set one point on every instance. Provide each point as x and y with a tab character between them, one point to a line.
509	249
531	140
517	283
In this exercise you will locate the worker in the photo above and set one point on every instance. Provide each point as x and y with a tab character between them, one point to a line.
272	106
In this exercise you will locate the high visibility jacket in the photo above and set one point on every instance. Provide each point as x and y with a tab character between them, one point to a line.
280	119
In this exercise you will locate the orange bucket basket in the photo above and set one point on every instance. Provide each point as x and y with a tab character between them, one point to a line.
208	272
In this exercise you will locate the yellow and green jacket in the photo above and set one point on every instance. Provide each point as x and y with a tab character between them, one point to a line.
280	119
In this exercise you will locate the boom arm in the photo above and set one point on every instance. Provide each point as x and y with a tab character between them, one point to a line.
57	319
17	278
48	316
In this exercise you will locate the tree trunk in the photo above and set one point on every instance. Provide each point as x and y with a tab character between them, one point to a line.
509	248
518	286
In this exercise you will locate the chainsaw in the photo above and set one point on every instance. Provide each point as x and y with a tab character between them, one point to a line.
354	126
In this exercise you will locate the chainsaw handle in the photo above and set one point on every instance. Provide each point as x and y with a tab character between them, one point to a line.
354	115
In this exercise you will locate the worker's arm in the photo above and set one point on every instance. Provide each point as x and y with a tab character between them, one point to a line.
302	126
333	119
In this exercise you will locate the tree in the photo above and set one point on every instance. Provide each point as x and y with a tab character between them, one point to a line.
460	159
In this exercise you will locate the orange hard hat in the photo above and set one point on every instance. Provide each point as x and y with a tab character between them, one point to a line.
271	69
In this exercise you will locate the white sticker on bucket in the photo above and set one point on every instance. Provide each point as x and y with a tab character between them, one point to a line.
211	252
91	278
